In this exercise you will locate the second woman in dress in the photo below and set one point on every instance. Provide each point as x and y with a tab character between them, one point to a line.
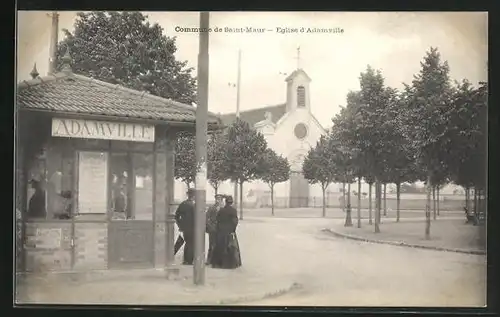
226	253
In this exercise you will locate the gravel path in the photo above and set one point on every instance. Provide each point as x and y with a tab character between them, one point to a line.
338	272
277	252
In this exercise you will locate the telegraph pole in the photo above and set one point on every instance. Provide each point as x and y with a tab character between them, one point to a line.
237	116
53	43
201	151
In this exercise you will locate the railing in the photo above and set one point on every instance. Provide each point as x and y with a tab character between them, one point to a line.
445	203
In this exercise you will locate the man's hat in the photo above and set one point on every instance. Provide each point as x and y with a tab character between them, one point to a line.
191	191
229	199
219	196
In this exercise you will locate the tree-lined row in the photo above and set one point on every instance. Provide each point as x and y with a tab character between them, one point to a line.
238	154
431	131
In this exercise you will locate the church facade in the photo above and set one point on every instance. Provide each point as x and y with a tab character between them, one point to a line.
290	129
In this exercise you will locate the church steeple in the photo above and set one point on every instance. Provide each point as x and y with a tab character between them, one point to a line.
297	95
298	57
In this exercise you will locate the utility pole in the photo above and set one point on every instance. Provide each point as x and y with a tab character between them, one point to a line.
53	43
201	151
237	116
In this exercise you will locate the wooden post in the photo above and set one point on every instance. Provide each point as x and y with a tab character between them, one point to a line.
201	151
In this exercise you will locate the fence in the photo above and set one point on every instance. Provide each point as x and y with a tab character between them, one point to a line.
445	203
412	202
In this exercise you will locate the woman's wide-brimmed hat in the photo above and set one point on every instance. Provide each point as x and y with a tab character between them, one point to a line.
229	199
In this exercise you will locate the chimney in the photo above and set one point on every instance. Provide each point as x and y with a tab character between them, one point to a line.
53	43
34	73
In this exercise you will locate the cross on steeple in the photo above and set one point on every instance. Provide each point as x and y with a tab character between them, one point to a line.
298	57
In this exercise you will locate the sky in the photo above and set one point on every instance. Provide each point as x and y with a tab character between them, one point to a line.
394	42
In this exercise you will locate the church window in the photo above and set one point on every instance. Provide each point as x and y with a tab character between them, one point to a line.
301	97
300	131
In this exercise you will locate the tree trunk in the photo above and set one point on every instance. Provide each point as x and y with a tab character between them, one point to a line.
370	204
467	196
434	210
323	188
398	201
216	189
272	199
377	206
241	201
428	208
437	200
359	202
343	197
385	199
348	219
475	201
236	202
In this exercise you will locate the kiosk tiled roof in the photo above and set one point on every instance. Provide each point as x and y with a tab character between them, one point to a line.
66	92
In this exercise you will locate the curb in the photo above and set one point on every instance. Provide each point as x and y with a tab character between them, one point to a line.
401	244
250	298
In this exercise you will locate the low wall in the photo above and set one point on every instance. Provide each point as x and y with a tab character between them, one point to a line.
91	246
48	246
54	246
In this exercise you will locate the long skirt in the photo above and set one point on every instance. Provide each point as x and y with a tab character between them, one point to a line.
226	253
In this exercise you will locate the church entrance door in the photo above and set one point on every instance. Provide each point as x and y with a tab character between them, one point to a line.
299	190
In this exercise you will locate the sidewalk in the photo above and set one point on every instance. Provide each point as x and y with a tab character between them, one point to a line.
447	234
149	287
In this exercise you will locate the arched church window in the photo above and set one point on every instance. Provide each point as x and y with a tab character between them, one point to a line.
301	97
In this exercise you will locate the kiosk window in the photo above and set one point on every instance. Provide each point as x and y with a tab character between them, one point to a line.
131	177
92	185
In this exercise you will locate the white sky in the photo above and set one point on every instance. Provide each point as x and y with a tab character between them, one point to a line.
391	41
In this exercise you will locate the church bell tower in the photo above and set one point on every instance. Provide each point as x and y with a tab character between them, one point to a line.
297	95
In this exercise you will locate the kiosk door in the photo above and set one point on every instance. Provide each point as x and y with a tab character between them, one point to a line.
131	225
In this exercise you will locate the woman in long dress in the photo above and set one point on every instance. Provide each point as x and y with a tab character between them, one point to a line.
226	253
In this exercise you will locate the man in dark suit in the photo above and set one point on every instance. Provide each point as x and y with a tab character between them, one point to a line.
184	217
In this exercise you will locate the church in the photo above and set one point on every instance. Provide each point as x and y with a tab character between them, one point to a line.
290	129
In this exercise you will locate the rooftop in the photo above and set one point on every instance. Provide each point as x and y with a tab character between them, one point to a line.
70	93
256	115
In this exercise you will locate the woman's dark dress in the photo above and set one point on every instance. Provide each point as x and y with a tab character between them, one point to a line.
226	253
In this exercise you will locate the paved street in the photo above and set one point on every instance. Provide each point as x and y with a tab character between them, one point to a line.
334	271
278	252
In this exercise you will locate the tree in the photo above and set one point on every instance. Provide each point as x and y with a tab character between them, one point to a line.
373	130
467	135
217	160
400	159
124	48
429	100
245	148
348	158
318	166
275	169
349	131
185	158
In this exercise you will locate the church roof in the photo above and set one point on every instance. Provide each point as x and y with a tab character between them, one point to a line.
76	94
256	115
295	73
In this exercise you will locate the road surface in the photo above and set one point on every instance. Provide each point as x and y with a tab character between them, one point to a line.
337	272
